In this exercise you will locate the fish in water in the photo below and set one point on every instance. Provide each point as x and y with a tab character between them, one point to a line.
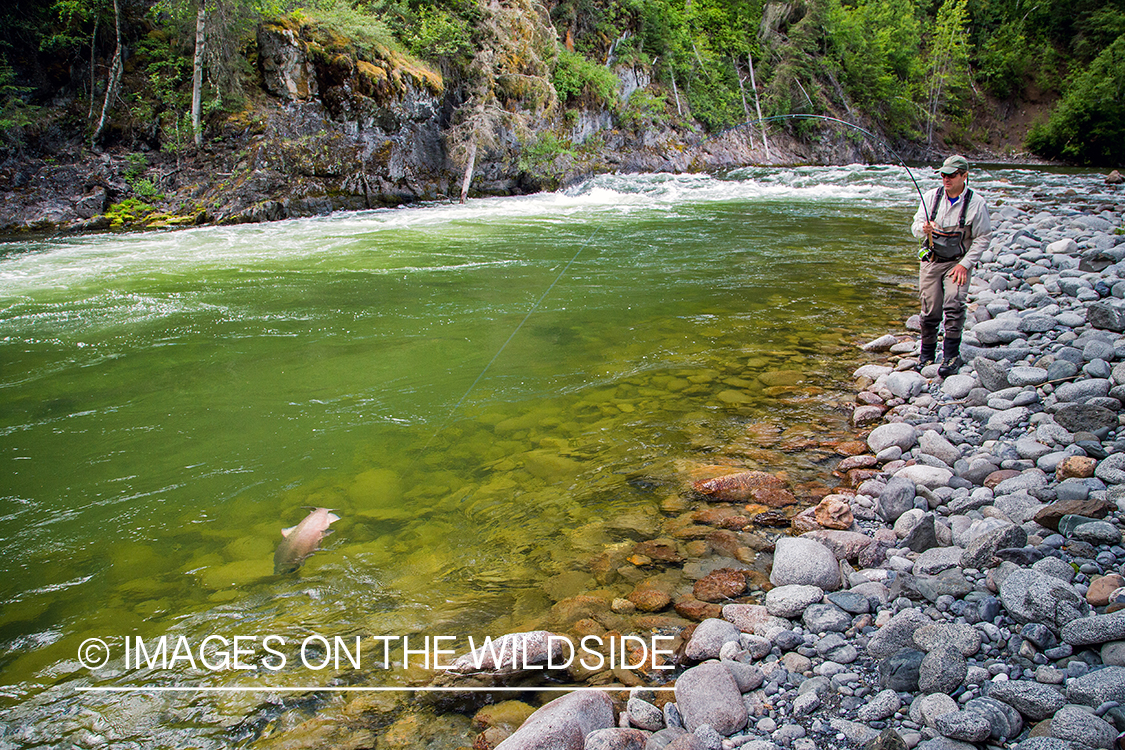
302	540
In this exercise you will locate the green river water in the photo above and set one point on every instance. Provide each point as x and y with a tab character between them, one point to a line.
486	395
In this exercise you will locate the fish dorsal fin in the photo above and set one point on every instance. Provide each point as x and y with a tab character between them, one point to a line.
287	532
332	517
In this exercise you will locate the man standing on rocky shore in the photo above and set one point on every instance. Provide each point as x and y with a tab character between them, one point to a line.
957	227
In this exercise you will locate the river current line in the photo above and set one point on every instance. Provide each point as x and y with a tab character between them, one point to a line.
868	133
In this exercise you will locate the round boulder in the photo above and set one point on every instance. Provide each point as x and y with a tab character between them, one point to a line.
898	434
805	562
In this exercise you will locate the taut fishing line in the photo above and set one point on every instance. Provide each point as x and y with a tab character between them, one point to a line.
597	229
868	133
503	346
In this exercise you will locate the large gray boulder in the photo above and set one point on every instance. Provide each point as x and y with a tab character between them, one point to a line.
709	638
1033	700
993	375
1107	314
898	434
897	634
896	498
802	561
708	694
1075	725
792	600
1088	631
1096	687
564	723
1031	596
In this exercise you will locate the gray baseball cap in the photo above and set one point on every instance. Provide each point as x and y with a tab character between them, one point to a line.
953	164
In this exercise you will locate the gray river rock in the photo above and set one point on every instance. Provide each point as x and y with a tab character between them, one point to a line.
968	617
966	470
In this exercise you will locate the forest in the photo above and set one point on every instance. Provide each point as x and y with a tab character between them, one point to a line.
921	72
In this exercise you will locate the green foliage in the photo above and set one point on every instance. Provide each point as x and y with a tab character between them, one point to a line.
1089	124
1004	60
575	77
878	45
714	97
644	110
71	17
364	29
15	113
437	33
947	67
167	98
127	212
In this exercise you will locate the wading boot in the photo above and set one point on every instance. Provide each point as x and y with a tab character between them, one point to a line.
951	358
927	353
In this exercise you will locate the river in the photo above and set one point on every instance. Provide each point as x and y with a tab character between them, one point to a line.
486	394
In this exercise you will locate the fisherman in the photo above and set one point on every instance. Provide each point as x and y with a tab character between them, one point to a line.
954	224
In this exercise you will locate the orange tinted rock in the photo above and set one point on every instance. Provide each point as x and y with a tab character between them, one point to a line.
856	477
714	515
773	498
720	585
650	596
805	521
1101	588
693	609
999	476
660	550
738	487
834	513
851	448
736	523
1081	467
865	461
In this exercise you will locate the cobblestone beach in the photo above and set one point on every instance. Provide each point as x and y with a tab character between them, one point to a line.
963	587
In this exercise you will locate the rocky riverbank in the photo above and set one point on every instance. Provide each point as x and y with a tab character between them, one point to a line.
967	589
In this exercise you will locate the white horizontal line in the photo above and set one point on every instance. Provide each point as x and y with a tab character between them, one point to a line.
337	689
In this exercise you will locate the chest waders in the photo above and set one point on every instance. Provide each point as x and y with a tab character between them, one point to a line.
945	247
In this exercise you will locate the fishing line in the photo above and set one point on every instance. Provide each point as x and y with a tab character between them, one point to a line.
504	346
868	133
594	234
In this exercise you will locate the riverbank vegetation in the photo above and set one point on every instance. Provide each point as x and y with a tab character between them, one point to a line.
927	73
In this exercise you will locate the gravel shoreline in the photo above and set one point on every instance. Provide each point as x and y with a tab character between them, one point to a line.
970	592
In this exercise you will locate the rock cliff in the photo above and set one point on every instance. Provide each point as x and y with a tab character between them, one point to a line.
335	128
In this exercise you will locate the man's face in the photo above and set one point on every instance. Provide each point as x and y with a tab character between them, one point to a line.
954	183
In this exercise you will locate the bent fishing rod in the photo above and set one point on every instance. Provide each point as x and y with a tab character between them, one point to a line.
852	125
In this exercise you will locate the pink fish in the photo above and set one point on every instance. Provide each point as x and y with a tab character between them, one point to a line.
302	540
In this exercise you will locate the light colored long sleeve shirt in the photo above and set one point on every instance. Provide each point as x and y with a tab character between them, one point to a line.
978	223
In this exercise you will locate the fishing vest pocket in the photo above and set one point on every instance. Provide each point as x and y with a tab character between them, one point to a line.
948	246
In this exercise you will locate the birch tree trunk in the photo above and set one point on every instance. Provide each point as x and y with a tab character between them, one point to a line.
197	74
114	80
758	106
470	163
93	82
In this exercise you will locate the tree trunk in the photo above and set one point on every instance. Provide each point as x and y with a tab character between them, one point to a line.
741	88
93	82
758	106
114	80
470	163
197	74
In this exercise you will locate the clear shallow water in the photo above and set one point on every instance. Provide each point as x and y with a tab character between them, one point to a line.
170	401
